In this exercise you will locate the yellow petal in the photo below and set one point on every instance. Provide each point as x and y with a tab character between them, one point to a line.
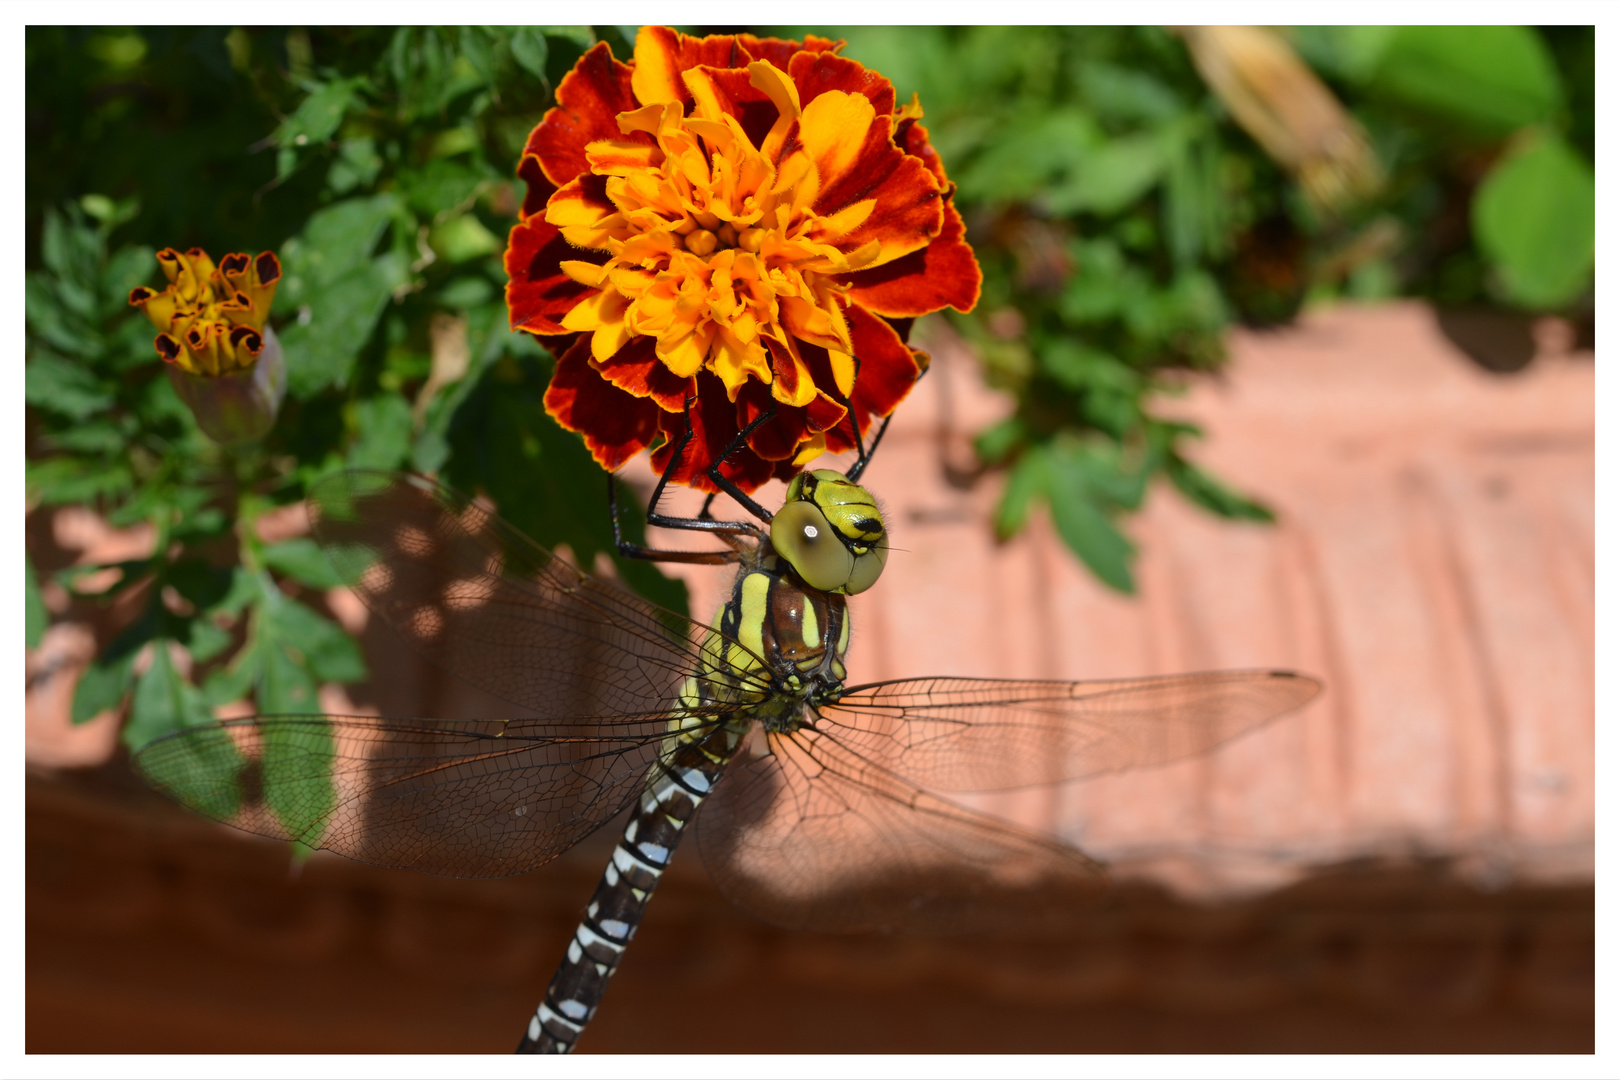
586	273
596	310
846	220
608	340
654	80
843	368
833	130
684	355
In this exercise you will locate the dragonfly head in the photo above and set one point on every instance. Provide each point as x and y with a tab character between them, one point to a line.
831	532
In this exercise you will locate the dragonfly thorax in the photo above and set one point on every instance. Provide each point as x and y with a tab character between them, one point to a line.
792	637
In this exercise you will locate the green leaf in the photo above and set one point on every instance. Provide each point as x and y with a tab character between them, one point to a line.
337	289
462	239
105	681
1536	219
1201	488
60	481
1112	176
1028	478
62	386
356	166
442	184
329	653
383	425
997	442
1086	528
319	115
35	617
205	639
285	685
1490	79
302	560
204	770
529	50
236	680
297	777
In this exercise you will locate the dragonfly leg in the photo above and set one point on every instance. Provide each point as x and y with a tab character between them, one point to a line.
726	485
728	531
638	551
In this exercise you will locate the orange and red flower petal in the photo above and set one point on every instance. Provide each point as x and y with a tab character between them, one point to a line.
714	426
815	73
636	370
888	369
589	101
538	293
616	425
662	54
944	274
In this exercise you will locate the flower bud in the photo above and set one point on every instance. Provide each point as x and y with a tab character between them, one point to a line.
239	405
223	358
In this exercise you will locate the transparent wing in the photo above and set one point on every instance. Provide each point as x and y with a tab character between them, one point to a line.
831	827
952	734
478	598
591	671
466	798
810	834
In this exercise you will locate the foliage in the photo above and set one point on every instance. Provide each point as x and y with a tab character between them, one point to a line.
378	163
1124	221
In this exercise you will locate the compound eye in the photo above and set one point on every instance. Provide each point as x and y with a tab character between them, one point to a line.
867	569
801	535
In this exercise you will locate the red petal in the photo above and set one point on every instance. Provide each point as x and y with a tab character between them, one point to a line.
714	425
887	368
617	426
908	213
780	53
815	73
636	370
754	110
912	137
662	54
780	437
589	101
540	189
945	273
538	293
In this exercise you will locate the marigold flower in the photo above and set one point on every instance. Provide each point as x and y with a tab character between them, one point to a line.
737	221
223	359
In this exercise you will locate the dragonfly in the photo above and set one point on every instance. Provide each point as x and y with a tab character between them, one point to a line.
824	806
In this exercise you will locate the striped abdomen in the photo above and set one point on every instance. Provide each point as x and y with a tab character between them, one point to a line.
667	804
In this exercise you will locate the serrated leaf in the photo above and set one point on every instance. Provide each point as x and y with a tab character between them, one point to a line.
297	777
329	653
107	679
319	115
1087	530
384	425
1027	479
302	560
529	50
35	617
205	772
1204	490
62	386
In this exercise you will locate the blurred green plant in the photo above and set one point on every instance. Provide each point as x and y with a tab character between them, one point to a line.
379	163
1125	218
